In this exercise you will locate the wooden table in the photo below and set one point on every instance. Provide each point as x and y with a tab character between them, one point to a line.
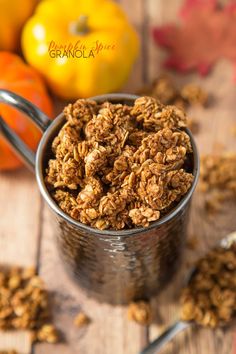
27	235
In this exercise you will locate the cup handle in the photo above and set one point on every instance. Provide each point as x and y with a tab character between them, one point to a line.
37	116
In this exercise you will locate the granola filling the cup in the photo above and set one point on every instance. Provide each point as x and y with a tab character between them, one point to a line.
116	166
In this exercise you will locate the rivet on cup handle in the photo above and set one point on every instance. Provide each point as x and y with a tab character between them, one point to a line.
37	116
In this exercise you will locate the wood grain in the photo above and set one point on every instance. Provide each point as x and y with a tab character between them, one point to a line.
135	10
19	223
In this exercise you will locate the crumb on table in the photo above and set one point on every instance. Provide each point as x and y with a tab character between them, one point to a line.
140	312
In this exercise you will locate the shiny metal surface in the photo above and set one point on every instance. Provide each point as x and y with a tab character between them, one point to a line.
118	266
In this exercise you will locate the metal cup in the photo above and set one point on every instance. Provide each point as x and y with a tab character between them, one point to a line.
113	266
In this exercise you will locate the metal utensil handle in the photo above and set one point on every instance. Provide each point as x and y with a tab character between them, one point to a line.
37	116
165	337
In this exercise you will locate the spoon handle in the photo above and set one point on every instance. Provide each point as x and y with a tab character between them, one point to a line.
165	337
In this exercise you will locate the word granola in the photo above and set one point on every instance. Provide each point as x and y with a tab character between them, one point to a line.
218	179
210	297
116	166
24	304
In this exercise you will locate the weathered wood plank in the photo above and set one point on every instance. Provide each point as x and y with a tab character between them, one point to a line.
20	341
19	223
215	124
158	13
19	232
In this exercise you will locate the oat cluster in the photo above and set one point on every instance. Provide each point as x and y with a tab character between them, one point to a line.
24	303
218	179
116	166
210	297
81	320
164	89
140	312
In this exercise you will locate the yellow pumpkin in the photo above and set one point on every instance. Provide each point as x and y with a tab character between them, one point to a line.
13	15
83	48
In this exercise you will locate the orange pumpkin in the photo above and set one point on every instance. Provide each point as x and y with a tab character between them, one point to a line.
20	78
13	15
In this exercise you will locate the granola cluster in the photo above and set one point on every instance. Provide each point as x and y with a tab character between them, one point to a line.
81	320
24	304
210	297
218	179
140	312
164	89
116	166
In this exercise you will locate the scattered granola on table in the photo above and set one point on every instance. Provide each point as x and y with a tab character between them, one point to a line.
116	166
210	297
24	301
140	312
218	179
81	320
8	352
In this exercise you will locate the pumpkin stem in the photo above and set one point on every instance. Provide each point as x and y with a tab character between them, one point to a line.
80	26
